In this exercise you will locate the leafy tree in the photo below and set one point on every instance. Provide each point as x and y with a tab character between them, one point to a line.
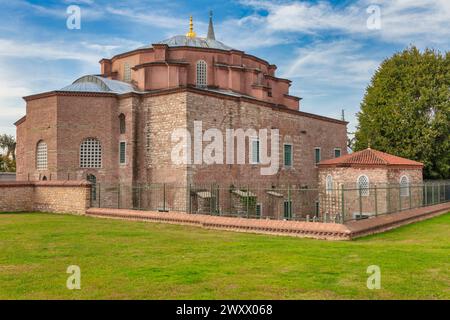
7	161
406	110
8	143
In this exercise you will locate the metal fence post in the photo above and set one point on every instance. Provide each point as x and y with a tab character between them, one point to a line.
247	202
289	203
189	198
410	196
164	197
342	204
399	199
211	199
432	194
360	201
118	196
99	195
388	191
140	196
376	202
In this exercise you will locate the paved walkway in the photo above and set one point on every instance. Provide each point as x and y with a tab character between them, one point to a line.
317	230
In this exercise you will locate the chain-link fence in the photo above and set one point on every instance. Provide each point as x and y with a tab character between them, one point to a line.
336	205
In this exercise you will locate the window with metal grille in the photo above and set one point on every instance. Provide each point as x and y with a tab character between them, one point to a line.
288	155
41	156
122	152
337	152
255	150
201	73
317	155
404	186
122	125
363	185
329	183
91	154
126	72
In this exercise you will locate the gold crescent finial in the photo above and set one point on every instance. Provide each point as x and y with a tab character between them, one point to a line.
191	33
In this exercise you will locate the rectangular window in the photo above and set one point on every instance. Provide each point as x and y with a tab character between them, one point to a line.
288	155
337	152
255	150
287	210
317	155
258	209
122	152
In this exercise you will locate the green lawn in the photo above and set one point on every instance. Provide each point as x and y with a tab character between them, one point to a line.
139	260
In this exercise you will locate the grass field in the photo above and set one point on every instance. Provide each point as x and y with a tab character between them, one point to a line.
139	260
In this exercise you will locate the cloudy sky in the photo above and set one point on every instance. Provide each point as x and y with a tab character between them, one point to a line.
325	47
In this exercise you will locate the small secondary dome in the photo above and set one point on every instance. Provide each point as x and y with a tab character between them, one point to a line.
93	83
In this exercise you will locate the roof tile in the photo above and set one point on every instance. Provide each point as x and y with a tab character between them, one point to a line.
370	157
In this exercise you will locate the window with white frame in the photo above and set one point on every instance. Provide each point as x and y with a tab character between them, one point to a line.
123	152
404	186
337	152
126	72
317	155
90	153
255	150
201	73
362	185
287	154
41	156
329	184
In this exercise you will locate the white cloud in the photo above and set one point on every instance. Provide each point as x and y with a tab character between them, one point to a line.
339	62
426	22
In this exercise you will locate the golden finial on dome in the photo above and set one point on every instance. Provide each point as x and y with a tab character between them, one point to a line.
191	33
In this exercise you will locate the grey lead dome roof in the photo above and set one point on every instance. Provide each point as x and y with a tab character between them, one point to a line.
185	41
92	83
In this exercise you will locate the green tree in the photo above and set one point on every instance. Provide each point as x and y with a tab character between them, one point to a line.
8	143
8	160
406	110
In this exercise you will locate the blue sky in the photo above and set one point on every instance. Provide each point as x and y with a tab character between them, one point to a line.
324	47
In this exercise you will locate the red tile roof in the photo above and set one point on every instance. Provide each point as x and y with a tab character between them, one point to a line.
369	157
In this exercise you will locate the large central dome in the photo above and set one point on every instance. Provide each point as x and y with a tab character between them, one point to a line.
191	39
185	41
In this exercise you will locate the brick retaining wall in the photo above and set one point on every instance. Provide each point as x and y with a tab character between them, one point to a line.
48	196
316	230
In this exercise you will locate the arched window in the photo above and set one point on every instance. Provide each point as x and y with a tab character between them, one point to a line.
90	153
93	179
362	184
329	183
41	156
201	73
404	186
126	72
122	125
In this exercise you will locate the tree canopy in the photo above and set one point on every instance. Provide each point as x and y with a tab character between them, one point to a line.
7	153
406	110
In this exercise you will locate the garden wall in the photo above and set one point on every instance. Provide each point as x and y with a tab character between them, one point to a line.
48	196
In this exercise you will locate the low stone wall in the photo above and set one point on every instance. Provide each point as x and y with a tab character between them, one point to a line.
316	230
46	196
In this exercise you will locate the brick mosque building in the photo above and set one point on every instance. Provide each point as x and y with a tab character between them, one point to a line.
115	127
